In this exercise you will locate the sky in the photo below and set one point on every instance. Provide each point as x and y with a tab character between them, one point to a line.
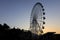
16	13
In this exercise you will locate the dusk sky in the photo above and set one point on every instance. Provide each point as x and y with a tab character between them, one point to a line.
17	13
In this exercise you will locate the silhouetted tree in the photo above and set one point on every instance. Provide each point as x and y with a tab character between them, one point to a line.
0	26
5	26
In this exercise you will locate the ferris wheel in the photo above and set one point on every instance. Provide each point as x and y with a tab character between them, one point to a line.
37	19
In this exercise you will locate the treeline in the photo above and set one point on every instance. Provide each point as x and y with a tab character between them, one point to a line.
14	34
6	33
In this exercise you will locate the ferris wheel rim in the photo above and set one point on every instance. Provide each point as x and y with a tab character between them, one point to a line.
33	15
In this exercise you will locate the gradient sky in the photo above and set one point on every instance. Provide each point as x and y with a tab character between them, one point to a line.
17	13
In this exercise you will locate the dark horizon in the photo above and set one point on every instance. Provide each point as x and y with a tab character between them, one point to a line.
6	33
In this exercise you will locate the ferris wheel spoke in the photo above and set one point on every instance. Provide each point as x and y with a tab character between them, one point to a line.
37	18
